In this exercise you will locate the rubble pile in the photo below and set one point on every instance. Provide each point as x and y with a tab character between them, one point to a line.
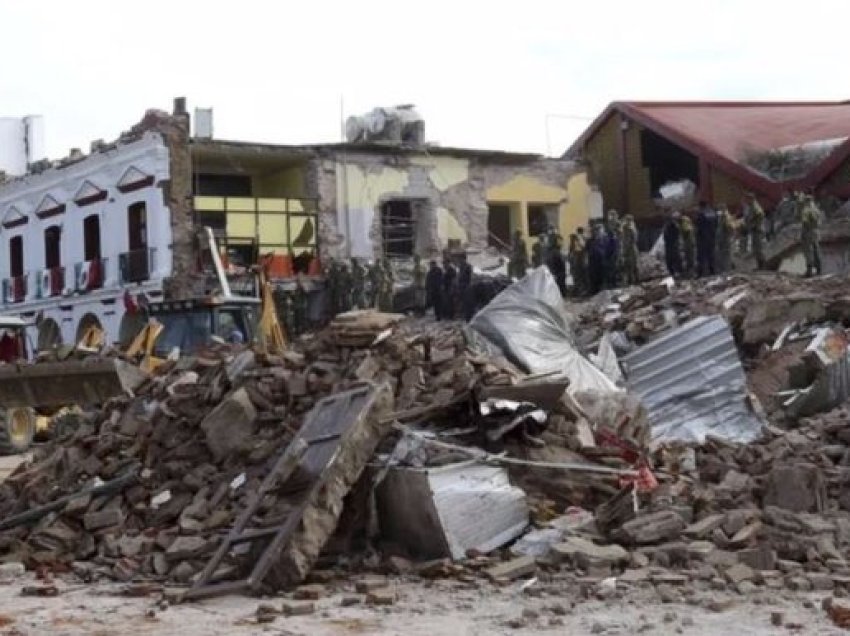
482	460
170	468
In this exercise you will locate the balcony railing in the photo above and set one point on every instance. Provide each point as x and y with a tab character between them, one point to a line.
90	275
15	289
50	282
136	266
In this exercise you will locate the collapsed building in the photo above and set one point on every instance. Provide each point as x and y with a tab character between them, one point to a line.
87	236
634	149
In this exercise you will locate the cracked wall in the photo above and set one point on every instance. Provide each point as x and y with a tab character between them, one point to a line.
451	195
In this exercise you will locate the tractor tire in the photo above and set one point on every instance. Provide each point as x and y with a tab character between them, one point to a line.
17	429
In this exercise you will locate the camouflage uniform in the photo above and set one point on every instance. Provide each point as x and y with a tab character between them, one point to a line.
725	236
386	287
376	275
358	284
756	228
615	263
537	253
519	256
629	251
810	236
419	295
686	227
578	263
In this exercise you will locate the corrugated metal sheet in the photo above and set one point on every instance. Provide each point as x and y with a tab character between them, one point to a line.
692	384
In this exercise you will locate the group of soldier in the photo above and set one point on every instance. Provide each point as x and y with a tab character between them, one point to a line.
693	247
705	248
359	286
449	288
604	259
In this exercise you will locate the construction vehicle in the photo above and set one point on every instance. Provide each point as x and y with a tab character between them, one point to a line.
31	393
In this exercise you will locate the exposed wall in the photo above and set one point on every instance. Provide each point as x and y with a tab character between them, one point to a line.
287	182
451	196
725	189
602	153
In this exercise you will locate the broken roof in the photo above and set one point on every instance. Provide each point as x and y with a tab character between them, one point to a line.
729	135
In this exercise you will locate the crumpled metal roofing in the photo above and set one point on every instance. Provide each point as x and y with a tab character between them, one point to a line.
692	384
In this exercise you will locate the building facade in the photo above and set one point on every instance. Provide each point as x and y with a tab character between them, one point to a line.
85	239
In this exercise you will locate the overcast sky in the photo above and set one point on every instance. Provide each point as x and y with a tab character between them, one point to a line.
483	74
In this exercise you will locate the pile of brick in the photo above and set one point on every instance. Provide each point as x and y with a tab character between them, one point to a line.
147	485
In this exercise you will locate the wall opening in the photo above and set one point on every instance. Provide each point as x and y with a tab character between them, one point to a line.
88	320
137	225
91	238
666	161
540	217
223	185
53	247
499	225
398	228
16	256
49	335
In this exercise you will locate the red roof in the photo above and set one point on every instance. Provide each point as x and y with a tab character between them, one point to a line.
724	132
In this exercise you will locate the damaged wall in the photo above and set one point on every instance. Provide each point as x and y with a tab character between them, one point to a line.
449	195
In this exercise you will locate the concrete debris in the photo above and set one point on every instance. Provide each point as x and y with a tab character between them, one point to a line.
425	451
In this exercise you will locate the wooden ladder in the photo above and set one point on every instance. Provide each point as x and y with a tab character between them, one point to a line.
283	469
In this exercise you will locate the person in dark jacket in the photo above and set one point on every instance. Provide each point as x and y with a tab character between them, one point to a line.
612	258
557	265
706	237
449	289
434	289
672	249
596	248
465	298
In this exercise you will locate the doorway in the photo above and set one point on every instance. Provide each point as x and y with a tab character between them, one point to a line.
499	225
397	228
91	238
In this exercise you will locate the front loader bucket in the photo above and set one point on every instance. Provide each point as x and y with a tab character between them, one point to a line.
88	382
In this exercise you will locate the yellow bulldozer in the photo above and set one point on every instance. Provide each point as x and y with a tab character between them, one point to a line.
30	394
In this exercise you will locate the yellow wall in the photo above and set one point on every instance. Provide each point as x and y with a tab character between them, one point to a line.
523	190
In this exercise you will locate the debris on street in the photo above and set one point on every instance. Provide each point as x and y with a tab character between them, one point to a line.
667	432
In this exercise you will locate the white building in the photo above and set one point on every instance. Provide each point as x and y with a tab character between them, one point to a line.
75	238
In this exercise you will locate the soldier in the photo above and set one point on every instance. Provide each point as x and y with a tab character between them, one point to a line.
465	299
386	287
537	252
434	289
557	265
449	289
420	296
810	236
376	275
686	229
630	251
332	282
578	264
344	287
614	259
672	245
596	258
723	242
706	237
755	215
358	284
519	256
299	307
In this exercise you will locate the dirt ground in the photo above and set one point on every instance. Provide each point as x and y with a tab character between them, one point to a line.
423	608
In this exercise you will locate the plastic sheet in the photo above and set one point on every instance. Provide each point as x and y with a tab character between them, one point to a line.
528	323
